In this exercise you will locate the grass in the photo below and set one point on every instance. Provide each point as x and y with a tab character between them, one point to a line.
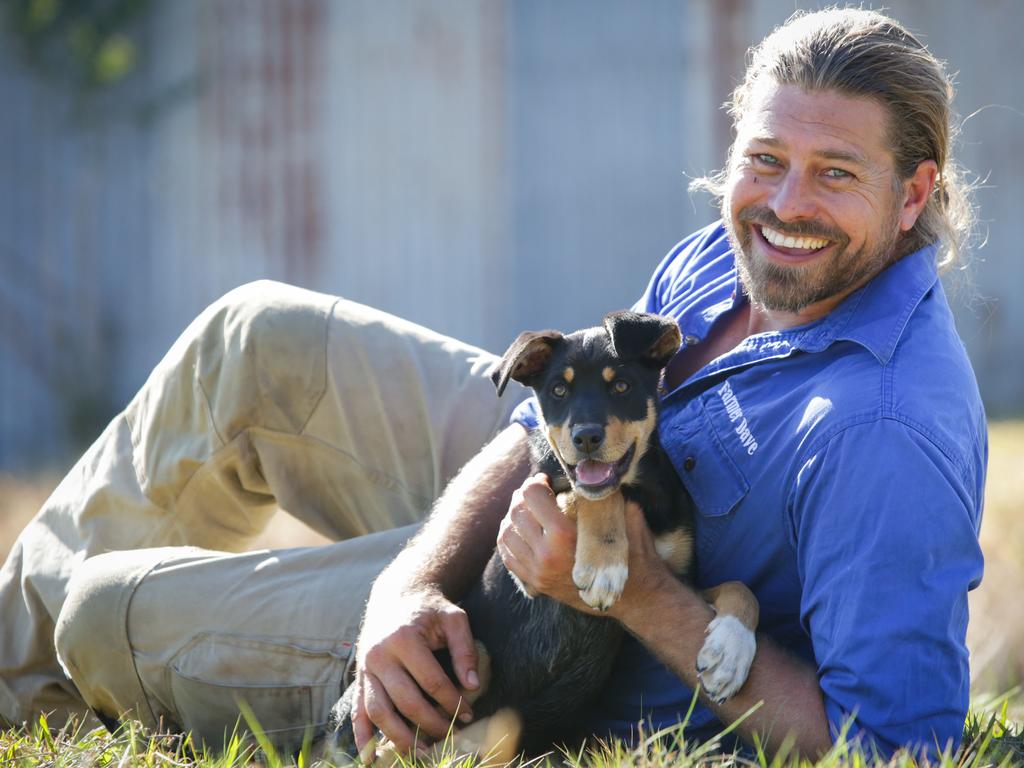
994	734
990	739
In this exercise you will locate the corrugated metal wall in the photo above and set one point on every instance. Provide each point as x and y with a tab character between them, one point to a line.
477	167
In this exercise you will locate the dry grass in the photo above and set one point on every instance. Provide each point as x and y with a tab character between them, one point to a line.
19	500
996	634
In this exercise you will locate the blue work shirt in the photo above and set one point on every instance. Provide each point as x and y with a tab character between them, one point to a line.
838	471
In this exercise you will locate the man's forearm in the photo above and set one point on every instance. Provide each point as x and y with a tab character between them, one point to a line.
452	548
671	621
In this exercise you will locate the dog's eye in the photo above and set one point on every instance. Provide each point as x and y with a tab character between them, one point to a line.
559	389
620	386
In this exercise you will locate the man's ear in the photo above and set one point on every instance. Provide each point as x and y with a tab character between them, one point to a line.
528	356
916	192
652	339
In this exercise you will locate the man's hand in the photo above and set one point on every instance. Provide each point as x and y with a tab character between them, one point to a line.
537	543
398	676
408	616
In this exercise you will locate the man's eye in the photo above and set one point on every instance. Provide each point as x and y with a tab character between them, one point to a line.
559	390
620	387
838	173
766	159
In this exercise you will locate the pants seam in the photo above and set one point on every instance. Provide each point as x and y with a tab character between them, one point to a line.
323	387
127	600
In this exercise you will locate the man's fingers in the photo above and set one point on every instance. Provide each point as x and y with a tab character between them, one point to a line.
430	678
382	713
462	650
525	523
541	500
511	534
515	554
409	700
362	726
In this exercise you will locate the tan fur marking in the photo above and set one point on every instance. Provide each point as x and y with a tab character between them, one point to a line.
620	435
600	530
569	374
608	374
676	549
483	671
560	440
493	740
533	357
734	599
668	344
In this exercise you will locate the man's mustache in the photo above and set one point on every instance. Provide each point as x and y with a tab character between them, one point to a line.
762	215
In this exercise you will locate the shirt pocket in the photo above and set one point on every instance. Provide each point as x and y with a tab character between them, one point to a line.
288	685
697	449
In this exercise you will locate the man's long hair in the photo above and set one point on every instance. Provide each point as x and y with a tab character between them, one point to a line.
863	53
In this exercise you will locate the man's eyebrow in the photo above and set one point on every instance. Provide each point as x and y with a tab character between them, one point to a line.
839	155
843	156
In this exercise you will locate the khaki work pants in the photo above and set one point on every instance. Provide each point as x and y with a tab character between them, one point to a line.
349	419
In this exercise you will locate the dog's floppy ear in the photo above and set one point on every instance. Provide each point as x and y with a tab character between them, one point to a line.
652	339
528	356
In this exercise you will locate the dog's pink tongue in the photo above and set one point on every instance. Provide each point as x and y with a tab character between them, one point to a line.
593	472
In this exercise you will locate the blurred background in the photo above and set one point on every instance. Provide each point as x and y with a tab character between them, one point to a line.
478	167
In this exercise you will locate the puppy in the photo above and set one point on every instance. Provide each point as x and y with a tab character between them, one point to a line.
597	390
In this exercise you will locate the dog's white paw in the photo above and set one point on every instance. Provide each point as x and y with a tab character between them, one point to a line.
600	586
724	661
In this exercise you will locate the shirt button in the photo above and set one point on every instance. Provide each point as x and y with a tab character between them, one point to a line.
690	340
689	463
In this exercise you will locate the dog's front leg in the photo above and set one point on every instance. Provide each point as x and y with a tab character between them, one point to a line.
602	550
724	661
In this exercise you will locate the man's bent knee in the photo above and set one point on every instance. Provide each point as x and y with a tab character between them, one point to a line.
260	356
91	635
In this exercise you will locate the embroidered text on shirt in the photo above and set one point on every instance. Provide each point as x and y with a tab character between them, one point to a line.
735	412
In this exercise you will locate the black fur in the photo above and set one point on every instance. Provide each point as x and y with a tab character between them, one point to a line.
549	661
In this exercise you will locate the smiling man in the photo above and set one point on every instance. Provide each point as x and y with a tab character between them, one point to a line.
822	414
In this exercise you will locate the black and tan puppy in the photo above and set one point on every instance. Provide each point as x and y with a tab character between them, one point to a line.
598	443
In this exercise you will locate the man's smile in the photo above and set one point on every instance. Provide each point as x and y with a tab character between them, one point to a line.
779	239
789	248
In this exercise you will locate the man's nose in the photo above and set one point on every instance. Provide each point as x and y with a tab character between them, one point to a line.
794	198
587	437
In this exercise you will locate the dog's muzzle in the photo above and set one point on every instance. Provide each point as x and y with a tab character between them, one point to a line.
598	477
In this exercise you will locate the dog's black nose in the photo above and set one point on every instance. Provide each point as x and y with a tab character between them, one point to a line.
587	437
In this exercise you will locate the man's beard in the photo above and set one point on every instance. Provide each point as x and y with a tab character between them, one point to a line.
790	289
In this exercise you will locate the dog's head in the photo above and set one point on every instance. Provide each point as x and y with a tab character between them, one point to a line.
598	393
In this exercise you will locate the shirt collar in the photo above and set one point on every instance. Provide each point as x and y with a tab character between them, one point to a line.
876	315
873	316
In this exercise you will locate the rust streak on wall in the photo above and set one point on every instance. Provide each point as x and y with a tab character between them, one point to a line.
730	35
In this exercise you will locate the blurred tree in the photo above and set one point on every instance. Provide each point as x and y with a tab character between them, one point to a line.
87	44
90	48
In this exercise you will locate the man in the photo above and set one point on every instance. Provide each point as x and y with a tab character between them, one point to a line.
826	422
823	416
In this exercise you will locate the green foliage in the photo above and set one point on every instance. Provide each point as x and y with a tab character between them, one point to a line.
86	44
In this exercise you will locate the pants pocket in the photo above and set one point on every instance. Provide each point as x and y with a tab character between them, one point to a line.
287	684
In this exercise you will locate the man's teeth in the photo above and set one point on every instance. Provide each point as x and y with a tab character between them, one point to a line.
785	241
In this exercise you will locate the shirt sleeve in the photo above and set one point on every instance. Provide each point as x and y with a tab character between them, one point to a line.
885	527
526	413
